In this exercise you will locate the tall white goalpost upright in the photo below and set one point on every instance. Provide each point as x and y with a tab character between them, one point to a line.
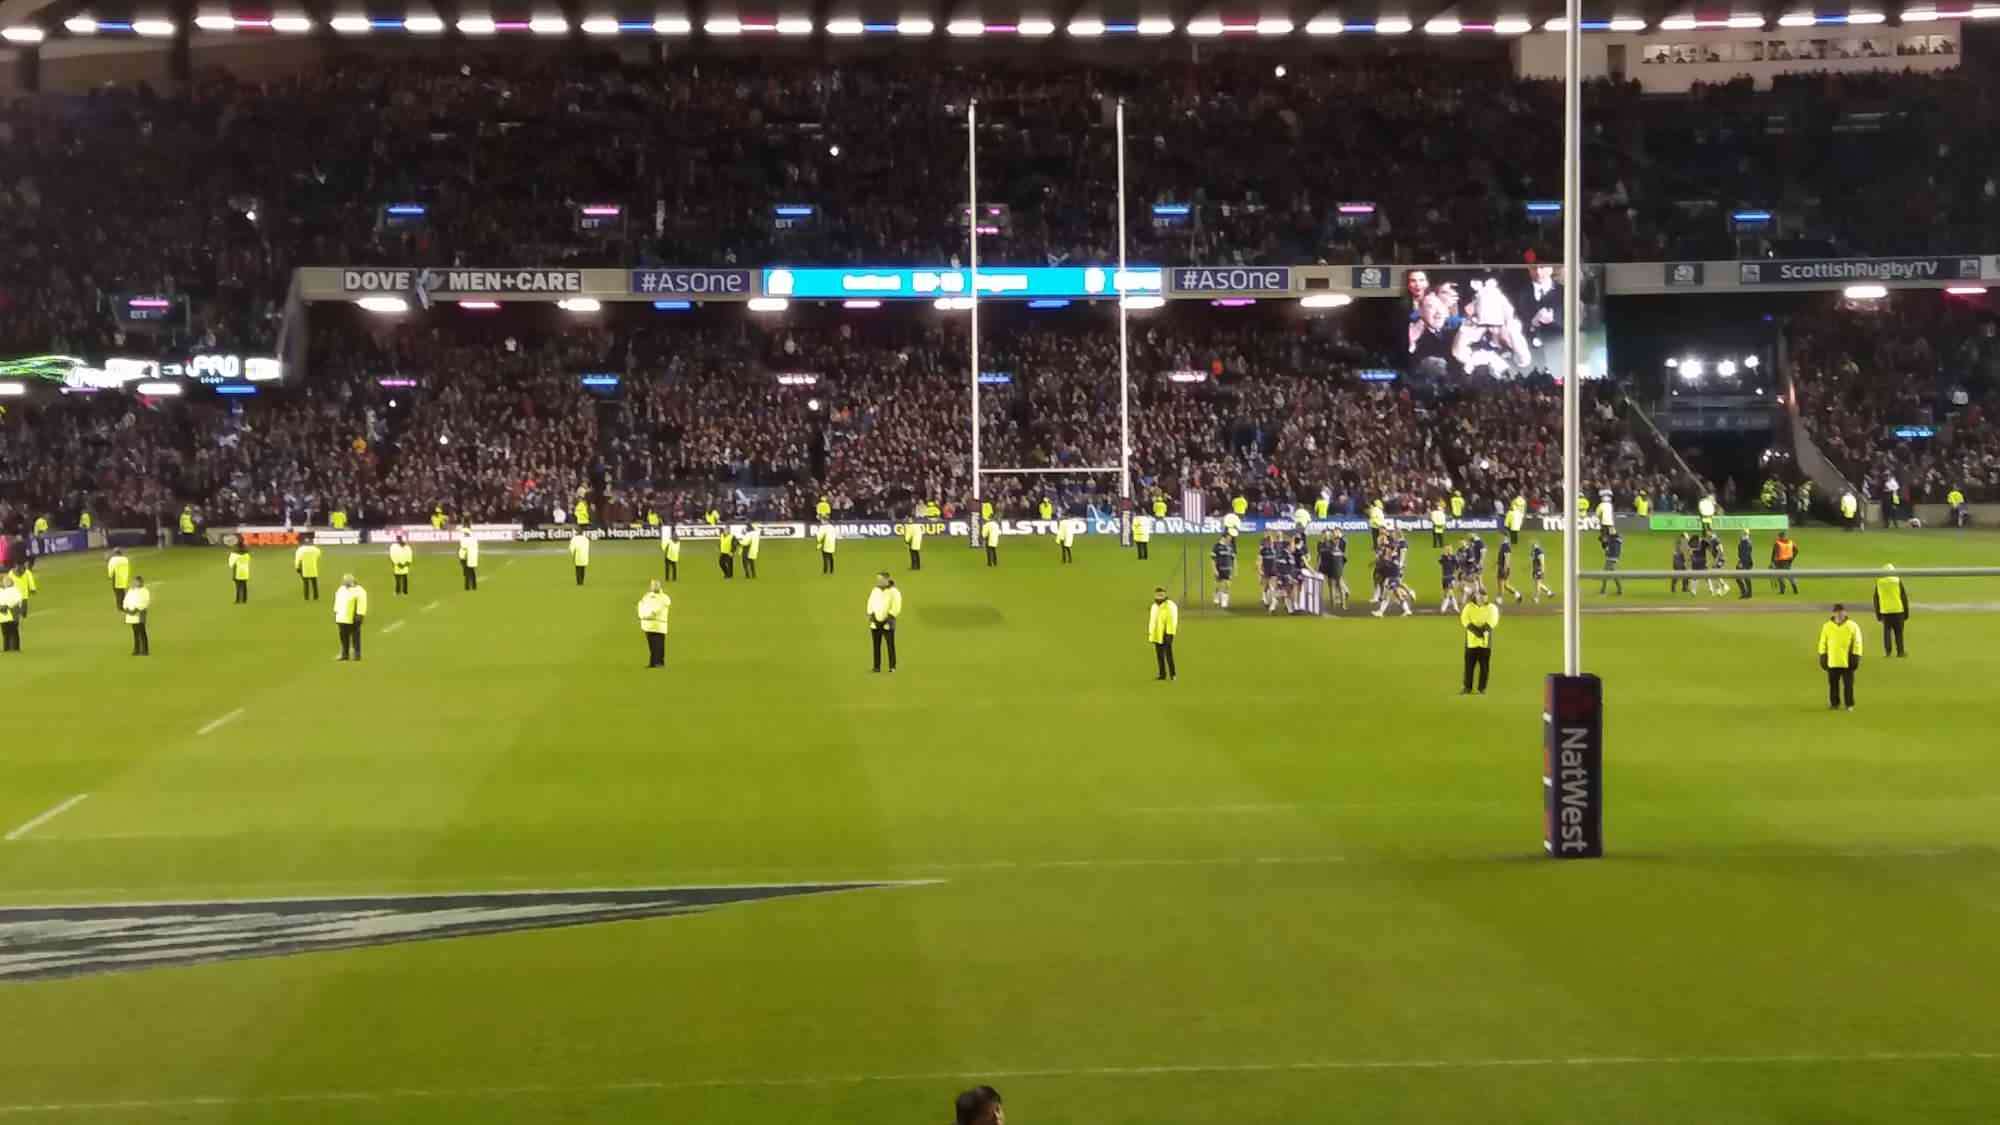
972	230
1124	348
979	469
1572	703
1572	332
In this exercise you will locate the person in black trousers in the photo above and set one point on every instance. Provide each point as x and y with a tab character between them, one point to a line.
1744	561
885	605
1783	552
1892	609
12	607
137	603
1478	619
1840	657
1163	624
1614	550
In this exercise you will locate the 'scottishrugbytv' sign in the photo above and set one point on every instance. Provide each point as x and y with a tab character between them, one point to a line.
1808	271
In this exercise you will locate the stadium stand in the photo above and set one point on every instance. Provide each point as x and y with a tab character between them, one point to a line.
502	427
1930	365
218	191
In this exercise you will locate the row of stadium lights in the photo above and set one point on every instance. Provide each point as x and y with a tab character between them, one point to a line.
961	28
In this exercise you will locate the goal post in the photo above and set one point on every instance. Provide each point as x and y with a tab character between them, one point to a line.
1123	469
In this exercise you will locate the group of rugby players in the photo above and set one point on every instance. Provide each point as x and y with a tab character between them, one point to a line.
1462	570
1282	568
1704	550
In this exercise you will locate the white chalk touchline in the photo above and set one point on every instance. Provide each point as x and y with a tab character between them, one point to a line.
468	1093
432	606
213	725
47	816
392	627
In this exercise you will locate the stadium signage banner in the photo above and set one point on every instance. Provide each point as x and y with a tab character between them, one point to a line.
1778	522
425	284
1573	767
1372	277
1685	275
278	536
1206	280
934	282
425	533
61	542
693	283
1806	271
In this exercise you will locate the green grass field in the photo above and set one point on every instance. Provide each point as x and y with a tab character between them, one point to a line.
1302	884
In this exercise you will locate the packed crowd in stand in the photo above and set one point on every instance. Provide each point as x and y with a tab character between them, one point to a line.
762	418
211	196
1928	367
217	192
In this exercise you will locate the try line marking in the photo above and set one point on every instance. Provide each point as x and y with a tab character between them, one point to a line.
214	725
471	1093
392	627
46	817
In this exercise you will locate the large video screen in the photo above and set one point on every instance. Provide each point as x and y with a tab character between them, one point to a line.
1495	323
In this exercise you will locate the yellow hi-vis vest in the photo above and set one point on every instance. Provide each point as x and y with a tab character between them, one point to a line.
1163	620
653	609
1840	643
350	603
1889	595
1476	614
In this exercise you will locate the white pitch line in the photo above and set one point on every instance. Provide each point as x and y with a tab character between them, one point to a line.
46	817
737	877
471	1093
391	627
432	606
211	726
1175	810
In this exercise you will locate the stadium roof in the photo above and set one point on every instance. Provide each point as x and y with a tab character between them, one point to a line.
1254	20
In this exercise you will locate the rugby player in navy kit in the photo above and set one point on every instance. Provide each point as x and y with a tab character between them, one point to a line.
1223	557
1506	570
1391	565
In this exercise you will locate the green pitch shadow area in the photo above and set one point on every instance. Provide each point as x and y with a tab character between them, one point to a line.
1302	883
